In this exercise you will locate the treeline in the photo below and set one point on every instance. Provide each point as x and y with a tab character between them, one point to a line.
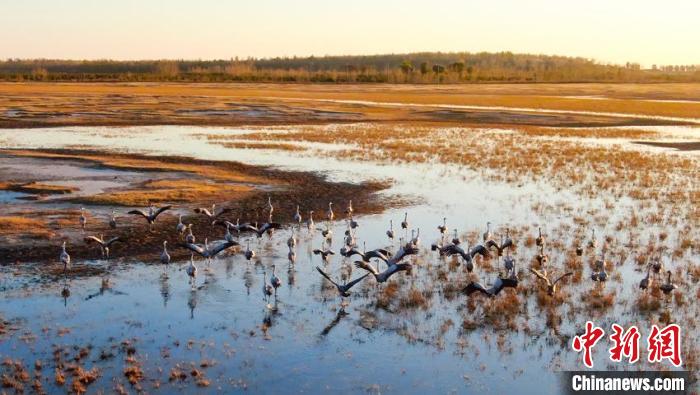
421	68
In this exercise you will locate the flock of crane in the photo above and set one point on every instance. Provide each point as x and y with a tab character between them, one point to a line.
393	262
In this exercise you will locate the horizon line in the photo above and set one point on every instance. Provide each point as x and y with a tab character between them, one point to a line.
241	58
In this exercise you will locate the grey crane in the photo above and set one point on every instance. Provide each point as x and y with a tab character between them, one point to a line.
152	214
104	244
343	290
551	285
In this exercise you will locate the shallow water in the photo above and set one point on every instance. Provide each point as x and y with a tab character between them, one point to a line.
10	196
372	349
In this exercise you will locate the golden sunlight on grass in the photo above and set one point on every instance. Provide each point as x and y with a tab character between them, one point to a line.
142	164
21	226
169	191
37	188
266	104
517	155
262	145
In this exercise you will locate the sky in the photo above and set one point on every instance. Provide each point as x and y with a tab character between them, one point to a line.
609	31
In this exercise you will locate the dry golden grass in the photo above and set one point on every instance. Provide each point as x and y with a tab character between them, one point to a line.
388	293
45	104
27	227
599	299
586	132
262	145
587	169
647	302
37	188
501	312
554	96
687	91
130	163
169	191
414	298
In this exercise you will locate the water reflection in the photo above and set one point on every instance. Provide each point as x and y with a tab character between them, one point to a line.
339	316
291	276
165	289
105	286
248	279
192	302
65	293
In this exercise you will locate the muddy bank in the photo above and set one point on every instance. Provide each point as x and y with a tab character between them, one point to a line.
38	224
679	146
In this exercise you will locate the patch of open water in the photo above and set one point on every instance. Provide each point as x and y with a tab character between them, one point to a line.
369	349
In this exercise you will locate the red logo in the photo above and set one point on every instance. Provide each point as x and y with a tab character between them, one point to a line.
665	344
662	344
626	344
586	342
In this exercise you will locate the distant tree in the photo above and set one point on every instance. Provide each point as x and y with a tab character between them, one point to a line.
424	68
39	73
168	68
457	67
406	66
438	69
482	66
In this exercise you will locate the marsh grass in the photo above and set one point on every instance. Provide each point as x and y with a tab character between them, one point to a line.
262	145
611	171
25	227
596	133
126	162
37	188
168	191
599	299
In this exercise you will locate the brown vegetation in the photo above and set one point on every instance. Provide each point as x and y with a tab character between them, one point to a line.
22	226
41	104
37	188
169	191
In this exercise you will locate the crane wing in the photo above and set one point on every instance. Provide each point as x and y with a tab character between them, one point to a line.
194	247
376	254
222	246
94	239
161	210
355	281
138	212
366	266
475	287
200	210
481	250
539	274
326	276
562	276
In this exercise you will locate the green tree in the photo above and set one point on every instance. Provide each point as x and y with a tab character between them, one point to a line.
406	66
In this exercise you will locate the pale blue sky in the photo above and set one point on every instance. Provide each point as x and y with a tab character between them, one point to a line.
664	32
